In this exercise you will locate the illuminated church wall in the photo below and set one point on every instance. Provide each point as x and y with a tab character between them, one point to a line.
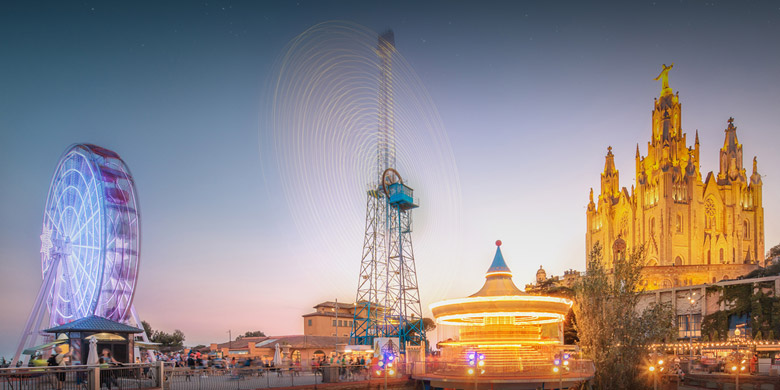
695	230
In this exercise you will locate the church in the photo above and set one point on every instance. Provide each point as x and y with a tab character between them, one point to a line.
695	231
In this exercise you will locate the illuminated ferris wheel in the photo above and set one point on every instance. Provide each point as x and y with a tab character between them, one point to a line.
90	241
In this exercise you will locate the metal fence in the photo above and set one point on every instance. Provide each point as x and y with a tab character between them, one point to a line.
247	378
159	375
131	376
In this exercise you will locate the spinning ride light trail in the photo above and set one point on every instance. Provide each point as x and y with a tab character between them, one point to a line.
90	242
322	134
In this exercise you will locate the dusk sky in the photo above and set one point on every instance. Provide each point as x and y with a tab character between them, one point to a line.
528	95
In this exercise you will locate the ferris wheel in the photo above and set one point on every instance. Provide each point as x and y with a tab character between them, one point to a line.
90	241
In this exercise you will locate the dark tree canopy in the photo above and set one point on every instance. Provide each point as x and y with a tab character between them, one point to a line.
253	333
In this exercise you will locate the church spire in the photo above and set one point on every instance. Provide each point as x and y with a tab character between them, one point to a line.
731	156
610	176
755	178
609	164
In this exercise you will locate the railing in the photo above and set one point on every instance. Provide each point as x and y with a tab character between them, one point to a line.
578	367
246	378
130	376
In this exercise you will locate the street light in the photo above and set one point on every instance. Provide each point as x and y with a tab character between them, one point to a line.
386	366
655	370
560	363
476	365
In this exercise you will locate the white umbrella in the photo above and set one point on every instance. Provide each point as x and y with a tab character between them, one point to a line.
277	356
92	358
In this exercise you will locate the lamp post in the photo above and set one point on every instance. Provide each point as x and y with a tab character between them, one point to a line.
476	366
739	362
654	370
560	363
386	365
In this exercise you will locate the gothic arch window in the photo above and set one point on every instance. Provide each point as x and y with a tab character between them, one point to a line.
746	230
678	261
709	256
713	279
667	284
624	226
721	256
709	214
652	262
725	277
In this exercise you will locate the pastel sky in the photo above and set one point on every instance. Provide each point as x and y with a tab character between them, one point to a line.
530	95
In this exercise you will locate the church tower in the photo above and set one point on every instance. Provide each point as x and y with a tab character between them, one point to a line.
694	231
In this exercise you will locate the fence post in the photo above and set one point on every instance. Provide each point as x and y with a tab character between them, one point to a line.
94	378
161	375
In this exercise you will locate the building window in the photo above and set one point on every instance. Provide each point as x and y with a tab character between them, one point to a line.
341	323
709	214
689	326
309	322
678	261
746	230
334	323
709	257
721	256
678	225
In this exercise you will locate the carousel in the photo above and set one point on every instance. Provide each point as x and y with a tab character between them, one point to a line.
502	336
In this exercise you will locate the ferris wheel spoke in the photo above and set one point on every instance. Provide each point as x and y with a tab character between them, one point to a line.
86	223
85	246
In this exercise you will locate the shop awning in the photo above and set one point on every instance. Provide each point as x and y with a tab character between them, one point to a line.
33	350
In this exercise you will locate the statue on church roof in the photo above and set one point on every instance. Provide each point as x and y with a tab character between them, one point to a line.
664	77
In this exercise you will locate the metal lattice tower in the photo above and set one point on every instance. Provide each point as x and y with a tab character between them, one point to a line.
388	300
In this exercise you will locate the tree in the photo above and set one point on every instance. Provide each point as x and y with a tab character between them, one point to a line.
774	252
550	288
168	342
611	331
147	329
256	333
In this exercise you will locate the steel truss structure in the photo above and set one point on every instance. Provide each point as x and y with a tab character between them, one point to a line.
387	304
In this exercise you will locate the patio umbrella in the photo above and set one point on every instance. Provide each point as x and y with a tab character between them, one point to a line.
92	358
277	356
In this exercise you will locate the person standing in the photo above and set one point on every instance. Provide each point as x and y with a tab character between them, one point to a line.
60	360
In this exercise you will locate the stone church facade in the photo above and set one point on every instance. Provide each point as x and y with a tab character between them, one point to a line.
695	230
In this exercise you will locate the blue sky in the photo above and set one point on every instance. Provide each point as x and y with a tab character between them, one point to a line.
529	94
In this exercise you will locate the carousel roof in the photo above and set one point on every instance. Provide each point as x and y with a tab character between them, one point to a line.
499	297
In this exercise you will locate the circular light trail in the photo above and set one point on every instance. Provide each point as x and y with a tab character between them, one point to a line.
321	133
